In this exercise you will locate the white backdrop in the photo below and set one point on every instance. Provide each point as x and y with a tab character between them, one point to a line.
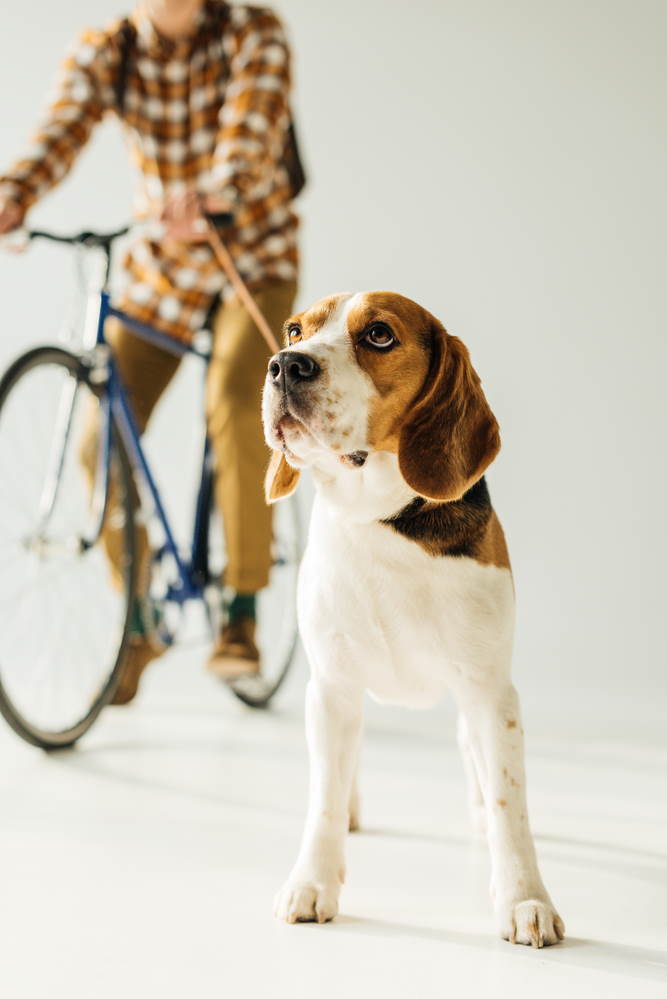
505	165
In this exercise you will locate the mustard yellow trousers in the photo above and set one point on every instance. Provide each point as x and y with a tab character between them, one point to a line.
233	399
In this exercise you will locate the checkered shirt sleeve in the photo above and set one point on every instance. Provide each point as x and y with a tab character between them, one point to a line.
209	113
82	95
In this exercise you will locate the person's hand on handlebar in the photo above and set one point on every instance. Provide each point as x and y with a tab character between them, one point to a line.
11	216
184	216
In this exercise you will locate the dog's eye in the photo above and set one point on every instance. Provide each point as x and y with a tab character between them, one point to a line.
293	333
379	336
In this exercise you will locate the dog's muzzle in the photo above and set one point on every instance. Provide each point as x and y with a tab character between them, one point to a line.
290	368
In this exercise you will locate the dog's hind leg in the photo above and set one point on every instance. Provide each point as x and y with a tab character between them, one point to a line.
475	796
333	729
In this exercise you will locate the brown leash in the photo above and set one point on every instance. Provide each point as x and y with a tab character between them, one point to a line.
225	260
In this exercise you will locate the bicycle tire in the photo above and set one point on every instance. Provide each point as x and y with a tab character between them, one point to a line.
16	716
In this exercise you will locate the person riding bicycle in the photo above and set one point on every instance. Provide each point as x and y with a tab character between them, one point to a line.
204	98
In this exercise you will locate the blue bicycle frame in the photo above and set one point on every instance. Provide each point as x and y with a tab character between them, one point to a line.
192	574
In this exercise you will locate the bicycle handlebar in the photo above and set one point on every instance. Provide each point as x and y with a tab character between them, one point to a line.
101	240
104	240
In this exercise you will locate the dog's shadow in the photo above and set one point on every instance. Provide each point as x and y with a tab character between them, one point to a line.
596	955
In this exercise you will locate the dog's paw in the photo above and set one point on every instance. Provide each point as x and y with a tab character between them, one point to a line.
306	902
533	923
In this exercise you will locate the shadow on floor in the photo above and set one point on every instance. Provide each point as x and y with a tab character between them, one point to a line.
89	763
633	862
598	955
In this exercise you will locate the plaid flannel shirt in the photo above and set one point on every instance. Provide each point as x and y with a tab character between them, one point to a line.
207	113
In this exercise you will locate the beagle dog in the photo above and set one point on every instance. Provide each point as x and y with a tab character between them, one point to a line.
405	589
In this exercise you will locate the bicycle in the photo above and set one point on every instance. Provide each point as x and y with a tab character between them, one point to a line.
66	625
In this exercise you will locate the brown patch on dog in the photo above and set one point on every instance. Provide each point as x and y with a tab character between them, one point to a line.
511	723
492	548
313	319
450	436
430	408
399	373
467	527
502	802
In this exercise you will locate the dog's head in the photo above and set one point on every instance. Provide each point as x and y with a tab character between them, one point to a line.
376	372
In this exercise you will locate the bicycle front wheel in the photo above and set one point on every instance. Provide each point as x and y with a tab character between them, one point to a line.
64	606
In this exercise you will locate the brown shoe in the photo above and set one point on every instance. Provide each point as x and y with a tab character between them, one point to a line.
235	654
139	652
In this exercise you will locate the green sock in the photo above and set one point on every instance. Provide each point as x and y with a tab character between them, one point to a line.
137	626
241	605
145	617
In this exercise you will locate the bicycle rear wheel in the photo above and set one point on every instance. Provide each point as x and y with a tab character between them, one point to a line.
64	615
277	631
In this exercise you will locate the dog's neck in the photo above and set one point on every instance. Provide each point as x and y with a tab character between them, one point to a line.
374	492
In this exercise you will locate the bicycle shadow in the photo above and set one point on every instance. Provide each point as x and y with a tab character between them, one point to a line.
634	862
91	762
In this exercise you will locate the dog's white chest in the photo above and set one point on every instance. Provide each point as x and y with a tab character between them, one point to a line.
376	609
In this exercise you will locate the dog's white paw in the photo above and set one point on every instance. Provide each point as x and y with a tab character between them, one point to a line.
307	902
534	923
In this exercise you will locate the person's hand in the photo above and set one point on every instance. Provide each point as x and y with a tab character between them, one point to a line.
215	205
183	216
11	216
183	219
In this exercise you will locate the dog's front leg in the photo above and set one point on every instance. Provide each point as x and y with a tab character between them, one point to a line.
333	730
524	910
476	805
353	807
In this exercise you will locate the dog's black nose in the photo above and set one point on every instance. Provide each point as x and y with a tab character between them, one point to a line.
290	367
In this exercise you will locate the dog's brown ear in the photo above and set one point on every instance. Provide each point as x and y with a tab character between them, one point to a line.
281	479
450	435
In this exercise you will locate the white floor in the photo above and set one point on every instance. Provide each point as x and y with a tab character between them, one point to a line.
144	862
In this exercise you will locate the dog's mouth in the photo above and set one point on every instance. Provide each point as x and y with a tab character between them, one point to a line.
286	427
290	430
286	423
355	459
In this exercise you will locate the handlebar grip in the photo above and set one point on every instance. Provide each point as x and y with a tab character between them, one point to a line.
221	220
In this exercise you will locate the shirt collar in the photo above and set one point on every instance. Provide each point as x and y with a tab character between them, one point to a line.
157	44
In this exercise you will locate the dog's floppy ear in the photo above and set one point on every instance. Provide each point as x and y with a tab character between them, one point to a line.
450	436
281	479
